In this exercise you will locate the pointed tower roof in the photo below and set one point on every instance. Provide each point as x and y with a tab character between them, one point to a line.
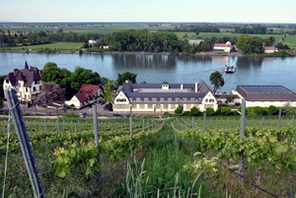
26	65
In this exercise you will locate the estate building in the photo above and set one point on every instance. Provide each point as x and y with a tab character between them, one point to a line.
159	98
27	83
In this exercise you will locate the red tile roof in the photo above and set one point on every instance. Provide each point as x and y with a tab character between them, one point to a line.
87	92
222	45
270	48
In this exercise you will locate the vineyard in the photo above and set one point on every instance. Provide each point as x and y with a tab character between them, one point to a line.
154	157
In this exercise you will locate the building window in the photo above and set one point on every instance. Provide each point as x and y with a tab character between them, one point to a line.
188	99
150	99
206	100
150	106
121	100
157	106
34	88
165	99
173	106
165	106
134	106
142	106
40	87
142	99
7	81
173	99
211	100
134	99
158	99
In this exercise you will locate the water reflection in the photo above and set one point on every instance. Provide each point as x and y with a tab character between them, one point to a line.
143	61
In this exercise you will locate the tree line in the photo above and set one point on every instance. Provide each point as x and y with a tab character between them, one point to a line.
257	29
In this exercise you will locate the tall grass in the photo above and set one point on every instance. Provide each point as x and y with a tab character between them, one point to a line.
161	173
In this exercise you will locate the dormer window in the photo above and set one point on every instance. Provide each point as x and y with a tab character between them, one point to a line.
150	99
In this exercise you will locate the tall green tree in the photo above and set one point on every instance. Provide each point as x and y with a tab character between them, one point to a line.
217	80
126	76
83	76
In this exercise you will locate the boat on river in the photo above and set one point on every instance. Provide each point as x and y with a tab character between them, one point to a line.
229	69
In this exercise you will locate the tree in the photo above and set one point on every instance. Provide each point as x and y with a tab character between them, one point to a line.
194	111
178	110
126	76
51	73
229	98
108	93
226	111
272	110
83	76
51	92
210	111
250	44
217	80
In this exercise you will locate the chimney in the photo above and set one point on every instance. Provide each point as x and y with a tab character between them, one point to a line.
195	87
15	72
181	86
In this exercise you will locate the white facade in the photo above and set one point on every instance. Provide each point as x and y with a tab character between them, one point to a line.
265	103
25	93
223	47
269	50
75	102
158	104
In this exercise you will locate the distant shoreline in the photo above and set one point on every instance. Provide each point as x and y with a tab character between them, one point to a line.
211	53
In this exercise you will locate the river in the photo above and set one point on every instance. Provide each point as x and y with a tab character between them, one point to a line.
174	69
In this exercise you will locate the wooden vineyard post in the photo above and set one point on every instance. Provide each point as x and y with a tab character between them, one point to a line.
20	128
45	126
95	128
192	123
131	132
4	128
143	125
293	120
262	122
205	121
280	118
59	126
242	133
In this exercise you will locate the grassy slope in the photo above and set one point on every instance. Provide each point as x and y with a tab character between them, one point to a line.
163	166
58	45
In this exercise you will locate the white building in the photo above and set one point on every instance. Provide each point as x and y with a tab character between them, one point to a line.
86	95
265	95
27	83
159	98
223	47
270	50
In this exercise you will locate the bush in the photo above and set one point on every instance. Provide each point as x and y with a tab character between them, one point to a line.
178	110
225	111
186	113
210	111
258	110
194	111
70	115
272	110
1	103
166	114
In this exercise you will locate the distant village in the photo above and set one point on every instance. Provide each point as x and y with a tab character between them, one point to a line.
151	98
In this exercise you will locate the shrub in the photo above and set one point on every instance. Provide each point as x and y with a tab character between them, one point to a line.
272	110
166	114
194	111
71	115
226	111
186	113
1	103
258	110
210	111
178	110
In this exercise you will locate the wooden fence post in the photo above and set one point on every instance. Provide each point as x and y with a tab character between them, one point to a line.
280	118
242	133
205	121
95	128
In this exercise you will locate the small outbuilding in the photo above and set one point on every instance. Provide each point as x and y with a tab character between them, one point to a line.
86	95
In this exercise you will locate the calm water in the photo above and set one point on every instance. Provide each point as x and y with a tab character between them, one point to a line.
158	68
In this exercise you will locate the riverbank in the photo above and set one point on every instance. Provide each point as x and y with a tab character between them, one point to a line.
211	53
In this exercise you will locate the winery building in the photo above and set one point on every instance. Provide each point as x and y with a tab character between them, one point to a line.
266	95
159	98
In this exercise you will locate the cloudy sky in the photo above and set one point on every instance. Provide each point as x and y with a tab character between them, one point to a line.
283	11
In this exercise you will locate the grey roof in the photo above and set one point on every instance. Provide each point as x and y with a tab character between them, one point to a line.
128	90
266	93
28	75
